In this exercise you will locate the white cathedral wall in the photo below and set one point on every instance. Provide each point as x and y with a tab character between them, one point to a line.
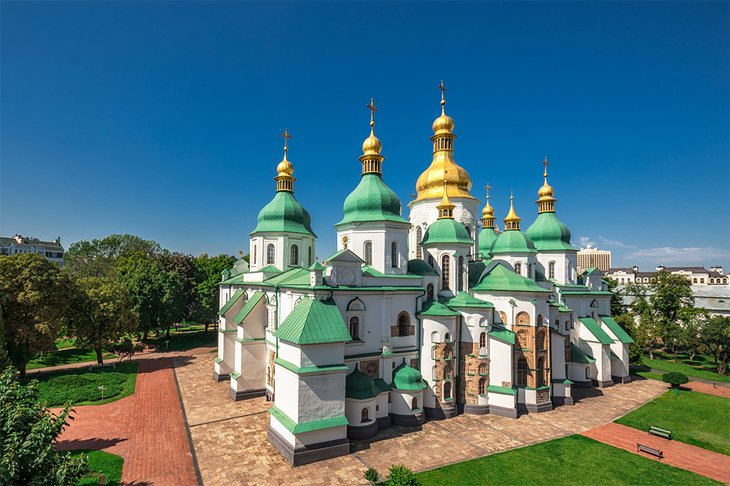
402	401
437	253
353	411
563	265
323	435
251	364
282	250
381	235
320	396
423	213
287	391
501	301
434	332
322	354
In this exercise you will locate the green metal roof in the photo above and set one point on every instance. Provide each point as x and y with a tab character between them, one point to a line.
421	267
382	385
369	271
314	322
548	233
504	390
589	271
446	231
316	266
512	241
293	276
503	334
595	329
434	308
248	307
577	355
502	278
234	298
487	237
617	330
464	299
299	428
476	269
407	378
371	200
360	386
284	214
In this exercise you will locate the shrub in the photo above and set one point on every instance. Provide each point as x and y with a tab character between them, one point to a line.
675	379
372	476
399	475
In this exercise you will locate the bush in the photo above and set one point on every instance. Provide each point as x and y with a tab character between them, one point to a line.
372	476
675	379
399	475
81	386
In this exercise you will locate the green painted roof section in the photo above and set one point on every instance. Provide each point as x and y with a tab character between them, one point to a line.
487	237
338	253
617	330
504	390
313	322
248	307
595	329
284	214
446	231
382	385
564	308
360	386
577	355
476	269
316	266
512	241
437	309
239	267
307	370
407	378
503	334
421	267
548	233
371	200
369	271
293	276
299	428
464	299
589	271
234	298
502	278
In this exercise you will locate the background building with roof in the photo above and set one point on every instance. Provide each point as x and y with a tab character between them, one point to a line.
51	250
590	257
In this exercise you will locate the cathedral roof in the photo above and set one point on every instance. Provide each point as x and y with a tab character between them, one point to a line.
407	378
549	233
437	309
487	237
360	386
420	267
501	277
313	322
464	299
372	200
284	214
514	241
448	231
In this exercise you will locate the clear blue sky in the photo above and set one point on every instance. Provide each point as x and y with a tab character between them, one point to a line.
163	119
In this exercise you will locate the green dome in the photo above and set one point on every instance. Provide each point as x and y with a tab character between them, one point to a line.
284	214
407	378
487	237
446	230
549	233
372	200
512	241
360	386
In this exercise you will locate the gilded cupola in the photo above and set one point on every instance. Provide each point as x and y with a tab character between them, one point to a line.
443	166
284	178
512	221
545	201
488	212
372	161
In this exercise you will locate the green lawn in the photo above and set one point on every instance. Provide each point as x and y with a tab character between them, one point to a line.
67	342
184	340
65	356
81	386
695	418
702	366
571	460
100	462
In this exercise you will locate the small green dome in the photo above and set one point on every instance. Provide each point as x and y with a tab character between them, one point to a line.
487	237
407	378
512	241
446	230
284	214
549	233
360	386
372	200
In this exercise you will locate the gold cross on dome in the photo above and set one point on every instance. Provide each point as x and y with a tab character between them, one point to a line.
286	139
372	108
545	162
442	87
488	187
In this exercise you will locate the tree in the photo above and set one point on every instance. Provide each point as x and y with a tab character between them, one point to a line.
34	297
28	432
617	306
671	295
399	475
644	330
187	271
715	336
97	258
209	276
101	312
692	321
675	379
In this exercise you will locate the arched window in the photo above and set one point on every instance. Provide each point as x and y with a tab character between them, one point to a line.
551	270
394	255
414	403
254	254
404	322
447	372
694	280
540	372
309	255
522	318
429	292
483	340
447	353
435	337
518	268
430	261
522	372
702	280
447	338
468	230
503	317
482	369
294	255
419	236
270	254
460	274
539	319
355	328
541	344
368	252
445	260
364	415
482	388
447	390
529	270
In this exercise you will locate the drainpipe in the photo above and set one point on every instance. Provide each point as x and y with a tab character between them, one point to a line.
418	328
276	318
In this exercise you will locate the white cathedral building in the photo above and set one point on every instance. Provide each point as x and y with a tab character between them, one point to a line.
411	319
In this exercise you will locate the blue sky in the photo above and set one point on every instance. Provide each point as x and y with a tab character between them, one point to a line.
163	119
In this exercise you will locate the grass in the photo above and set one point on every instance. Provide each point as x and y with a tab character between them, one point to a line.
65	356
81	386
184	340
571	460
695	418
100	462
702	366
67	342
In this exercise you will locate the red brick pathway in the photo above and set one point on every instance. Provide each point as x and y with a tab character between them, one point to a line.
146	429
719	391
701	461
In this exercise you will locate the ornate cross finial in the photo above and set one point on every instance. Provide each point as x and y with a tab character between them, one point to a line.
442	87
372	108
286	139
545	162
344	241
488	187
511	195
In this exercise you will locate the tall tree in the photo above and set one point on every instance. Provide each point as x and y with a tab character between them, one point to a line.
209	276
96	258
101	312
671	297
34	297
715	335
187	271
617	306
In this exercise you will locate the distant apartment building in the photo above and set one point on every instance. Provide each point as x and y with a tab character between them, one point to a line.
590	257
696	275
52	250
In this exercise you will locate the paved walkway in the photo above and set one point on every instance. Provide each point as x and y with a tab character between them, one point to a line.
701	461
718	391
146	429
231	445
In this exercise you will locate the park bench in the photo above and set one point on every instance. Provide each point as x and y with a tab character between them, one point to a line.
667	434
649	450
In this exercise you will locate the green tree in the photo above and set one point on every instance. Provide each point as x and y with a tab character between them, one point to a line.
675	379
692	320
187	271
671	296
97	258
34	297
209	275
101	312
644	329
715	336
28	432
617	305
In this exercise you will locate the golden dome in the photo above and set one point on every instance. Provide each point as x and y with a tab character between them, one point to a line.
546	191
372	145
284	168
443	124
546	199
488	211
512	221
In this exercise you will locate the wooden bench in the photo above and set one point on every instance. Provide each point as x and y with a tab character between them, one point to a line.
649	450
667	434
